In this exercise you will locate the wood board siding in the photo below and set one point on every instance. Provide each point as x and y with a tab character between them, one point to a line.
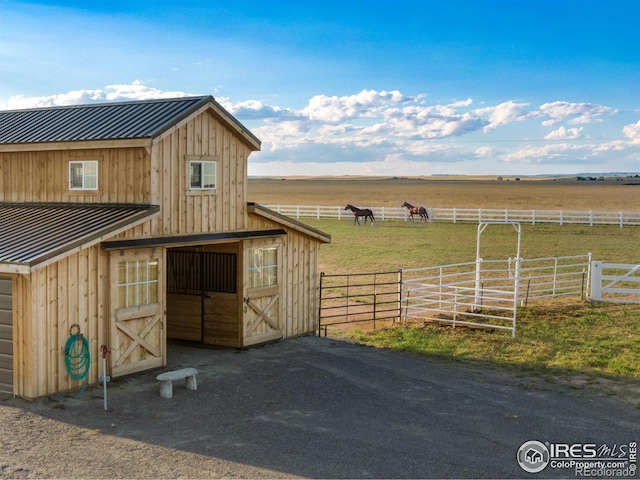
68	292
43	176
183	211
300	279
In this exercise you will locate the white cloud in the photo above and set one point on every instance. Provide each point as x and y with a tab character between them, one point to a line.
111	93
563	134
632	132
578	112
484	151
364	104
379	131
256	109
504	113
461	103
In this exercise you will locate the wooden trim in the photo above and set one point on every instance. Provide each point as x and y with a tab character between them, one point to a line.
129	313
191	239
269	214
76	145
264	291
262	338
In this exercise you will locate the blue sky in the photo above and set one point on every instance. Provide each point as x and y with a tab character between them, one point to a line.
357	87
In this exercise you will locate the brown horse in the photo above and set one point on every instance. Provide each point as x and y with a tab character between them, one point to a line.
416	211
360	212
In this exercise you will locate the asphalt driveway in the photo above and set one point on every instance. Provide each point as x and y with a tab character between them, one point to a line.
322	408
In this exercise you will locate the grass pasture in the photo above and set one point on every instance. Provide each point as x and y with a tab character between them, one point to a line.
581	344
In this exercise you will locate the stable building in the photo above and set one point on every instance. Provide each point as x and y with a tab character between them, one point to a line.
129	223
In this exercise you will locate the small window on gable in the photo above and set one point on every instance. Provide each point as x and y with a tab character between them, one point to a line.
202	174
83	175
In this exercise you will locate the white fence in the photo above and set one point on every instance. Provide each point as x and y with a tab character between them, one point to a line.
562	217
615	282
486	293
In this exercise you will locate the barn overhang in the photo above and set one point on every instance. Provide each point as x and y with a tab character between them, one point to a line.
190	239
33	235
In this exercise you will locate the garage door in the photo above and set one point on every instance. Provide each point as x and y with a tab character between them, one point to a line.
6	336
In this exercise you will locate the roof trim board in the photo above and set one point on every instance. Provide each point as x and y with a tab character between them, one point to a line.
265	212
190	239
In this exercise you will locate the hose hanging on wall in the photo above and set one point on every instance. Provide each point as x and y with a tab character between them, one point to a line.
77	357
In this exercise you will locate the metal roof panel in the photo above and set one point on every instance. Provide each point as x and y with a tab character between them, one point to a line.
106	121
33	232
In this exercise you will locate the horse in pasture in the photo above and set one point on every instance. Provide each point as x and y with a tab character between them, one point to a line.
416	211
360	212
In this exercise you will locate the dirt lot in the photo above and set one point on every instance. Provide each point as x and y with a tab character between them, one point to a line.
307	407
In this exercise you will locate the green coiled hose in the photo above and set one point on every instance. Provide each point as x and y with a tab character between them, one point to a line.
77	359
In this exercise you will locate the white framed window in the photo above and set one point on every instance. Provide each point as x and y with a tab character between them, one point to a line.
137	283
83	175
263	267
202	174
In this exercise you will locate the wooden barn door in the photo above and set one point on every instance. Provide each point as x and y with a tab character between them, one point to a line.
263	297
137	333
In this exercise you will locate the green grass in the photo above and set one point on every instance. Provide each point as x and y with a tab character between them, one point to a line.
594	338
389	245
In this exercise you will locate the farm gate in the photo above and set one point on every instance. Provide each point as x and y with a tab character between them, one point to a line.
359	297
615	282
482	294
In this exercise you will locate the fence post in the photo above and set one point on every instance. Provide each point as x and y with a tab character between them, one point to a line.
400	290
320	307
516	290
477	299
596	281
533	217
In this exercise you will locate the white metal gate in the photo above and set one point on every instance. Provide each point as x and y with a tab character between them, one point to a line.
615	282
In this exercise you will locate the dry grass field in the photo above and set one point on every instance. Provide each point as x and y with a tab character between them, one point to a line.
611	194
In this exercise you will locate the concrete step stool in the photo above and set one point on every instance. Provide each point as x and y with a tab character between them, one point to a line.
166	380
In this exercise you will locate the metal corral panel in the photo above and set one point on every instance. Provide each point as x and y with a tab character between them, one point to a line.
31	233
6	336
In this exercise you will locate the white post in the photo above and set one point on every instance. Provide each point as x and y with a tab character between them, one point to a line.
104	378
596	281
104	381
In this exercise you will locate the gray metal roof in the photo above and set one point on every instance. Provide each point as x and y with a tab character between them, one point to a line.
31	233
105	121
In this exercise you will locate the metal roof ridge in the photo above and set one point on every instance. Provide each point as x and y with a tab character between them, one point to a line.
107	104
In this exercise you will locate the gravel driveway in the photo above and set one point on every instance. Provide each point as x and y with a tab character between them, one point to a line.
307	407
